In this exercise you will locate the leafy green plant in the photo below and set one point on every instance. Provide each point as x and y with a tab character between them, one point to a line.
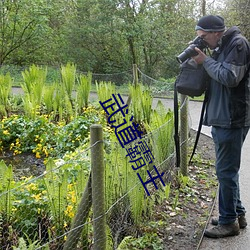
141	103
147	241
105	90
34	81
23	245
161	127
48	98
5	90
6	184
83	91
30	207
68	74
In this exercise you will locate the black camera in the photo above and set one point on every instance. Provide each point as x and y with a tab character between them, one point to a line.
190	51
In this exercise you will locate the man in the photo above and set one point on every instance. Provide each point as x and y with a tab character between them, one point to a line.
228	112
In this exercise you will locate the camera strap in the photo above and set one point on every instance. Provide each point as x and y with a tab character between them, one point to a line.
176	126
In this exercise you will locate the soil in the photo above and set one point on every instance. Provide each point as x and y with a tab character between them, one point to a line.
25	164
187	221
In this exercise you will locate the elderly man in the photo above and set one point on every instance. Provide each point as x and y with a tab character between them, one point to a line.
228	112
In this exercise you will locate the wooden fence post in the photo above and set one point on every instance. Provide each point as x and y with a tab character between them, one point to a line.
98	194
135	74
184	135
80	218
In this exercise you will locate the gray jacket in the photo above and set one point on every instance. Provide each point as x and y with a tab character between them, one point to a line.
228	103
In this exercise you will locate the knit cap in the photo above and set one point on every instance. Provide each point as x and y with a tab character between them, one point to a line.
210	23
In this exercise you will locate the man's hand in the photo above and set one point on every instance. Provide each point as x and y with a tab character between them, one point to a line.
200	58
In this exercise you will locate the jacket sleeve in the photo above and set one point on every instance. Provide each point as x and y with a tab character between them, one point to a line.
234	66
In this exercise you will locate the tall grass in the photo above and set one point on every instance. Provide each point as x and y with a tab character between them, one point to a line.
33	86
105	90
68	74
141	103
5	90
6	197
161	128
83	91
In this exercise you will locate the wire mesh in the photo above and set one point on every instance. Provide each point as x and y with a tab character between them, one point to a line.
43	211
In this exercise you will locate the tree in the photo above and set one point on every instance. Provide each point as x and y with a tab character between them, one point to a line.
21	21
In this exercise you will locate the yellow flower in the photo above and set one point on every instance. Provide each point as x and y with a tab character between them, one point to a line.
69	211
6	132
31	187
37	196
73	199
38	155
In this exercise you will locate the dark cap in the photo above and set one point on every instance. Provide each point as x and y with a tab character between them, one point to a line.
210	23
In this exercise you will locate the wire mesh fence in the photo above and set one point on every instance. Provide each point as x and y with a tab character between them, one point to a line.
57	209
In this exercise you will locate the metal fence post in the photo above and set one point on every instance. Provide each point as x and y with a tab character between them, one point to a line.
98	195
184	135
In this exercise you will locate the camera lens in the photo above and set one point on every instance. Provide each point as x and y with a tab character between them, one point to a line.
187	53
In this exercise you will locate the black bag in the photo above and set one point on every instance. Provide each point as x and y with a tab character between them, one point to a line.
192	80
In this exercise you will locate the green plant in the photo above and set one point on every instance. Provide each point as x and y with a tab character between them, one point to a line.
5	90
30	208
105	90
184	181
29	245
167	190
34	81
6	196
160	132
48	98
176	199
147	241
141	103
68	74
83	91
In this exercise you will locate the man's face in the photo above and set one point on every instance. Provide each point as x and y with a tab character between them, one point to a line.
211	38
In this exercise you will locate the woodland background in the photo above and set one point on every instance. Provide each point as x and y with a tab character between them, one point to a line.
107	36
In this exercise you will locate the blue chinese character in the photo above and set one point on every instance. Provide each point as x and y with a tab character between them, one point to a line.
152	179
148	156
133	154
127	134
112	107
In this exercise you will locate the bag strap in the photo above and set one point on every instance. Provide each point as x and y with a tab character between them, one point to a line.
176	126
199	127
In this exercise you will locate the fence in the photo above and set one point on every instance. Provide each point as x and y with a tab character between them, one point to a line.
87	208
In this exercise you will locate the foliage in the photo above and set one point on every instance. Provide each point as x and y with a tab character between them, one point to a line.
105	90
43	137
83	91
68	74
6	184
141	103
51	200
22	23
5	90
106	36
34	81
161	128
147	241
